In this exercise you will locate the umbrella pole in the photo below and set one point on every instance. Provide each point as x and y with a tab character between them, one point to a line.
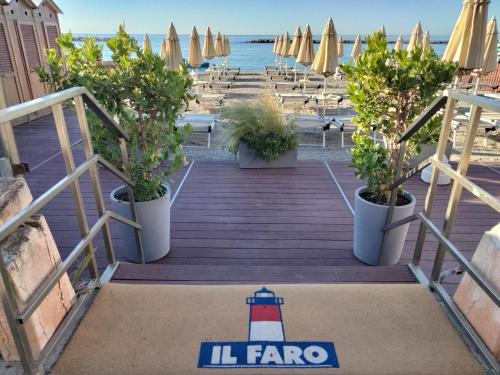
305	79
476	86
324	86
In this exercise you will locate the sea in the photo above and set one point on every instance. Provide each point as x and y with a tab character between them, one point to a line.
252	57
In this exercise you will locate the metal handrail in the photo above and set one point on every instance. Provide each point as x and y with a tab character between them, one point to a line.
81	97
460	181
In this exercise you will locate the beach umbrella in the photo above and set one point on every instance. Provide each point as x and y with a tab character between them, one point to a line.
275	49
416	38
278	49
382	30
426	41
146	44
327	58
306	52
227	49
466	45
340	47
489	63
219	48
297	39
490	48
399	43
285	50
173	54
208	45
163	52
195	59
357	48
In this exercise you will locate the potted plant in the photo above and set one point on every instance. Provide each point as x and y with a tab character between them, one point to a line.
146	97
388	89
261	136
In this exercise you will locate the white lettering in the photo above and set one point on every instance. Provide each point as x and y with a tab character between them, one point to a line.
315	354
215	355
292	355
271	354
253	352
227	359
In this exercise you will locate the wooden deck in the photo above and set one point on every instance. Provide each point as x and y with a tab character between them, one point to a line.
251	226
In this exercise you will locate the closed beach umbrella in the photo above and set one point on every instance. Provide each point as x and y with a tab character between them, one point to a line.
146	44
227	49
285	45
416	38
208	45
357	48
490	48
306	52
426	41
297	39
327	58
275	46
399	43
195	59
278	49
219	48
382	30
173	49
466	45
340	47
163	52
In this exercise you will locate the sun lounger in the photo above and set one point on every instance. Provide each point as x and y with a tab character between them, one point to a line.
308	123
287	85
325	99
218	85
210	100
199	124
489	121
292	97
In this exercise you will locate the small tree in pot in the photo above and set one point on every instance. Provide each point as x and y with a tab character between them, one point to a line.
146	97
388	90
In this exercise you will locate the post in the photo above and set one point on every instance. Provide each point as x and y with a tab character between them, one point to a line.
131	199
62	133
94	176
456	190
431	192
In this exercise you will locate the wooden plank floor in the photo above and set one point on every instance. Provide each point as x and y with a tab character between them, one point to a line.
231	225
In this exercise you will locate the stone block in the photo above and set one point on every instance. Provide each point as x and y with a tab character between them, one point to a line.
480	310
14	196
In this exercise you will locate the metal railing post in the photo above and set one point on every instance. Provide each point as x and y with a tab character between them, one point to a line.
131	198
431	192
94	176
62	133
456	190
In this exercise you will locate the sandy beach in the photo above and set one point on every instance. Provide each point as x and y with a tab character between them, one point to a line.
251	86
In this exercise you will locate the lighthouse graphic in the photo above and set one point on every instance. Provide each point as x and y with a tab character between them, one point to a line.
266	323
266	346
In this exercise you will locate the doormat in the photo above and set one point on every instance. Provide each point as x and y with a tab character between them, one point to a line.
271	329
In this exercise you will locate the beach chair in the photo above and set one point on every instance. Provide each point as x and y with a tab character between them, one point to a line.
286	85
326	99
307	124
489	122
292	98
200	123
210	100
219	85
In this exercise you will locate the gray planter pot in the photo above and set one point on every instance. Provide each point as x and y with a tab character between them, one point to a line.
369	222
427	150
248	158
154	216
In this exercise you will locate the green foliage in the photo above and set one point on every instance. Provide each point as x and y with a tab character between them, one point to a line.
261	127
430	132
140	91
388	89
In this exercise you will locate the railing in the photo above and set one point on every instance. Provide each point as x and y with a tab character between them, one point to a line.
17	317
460	182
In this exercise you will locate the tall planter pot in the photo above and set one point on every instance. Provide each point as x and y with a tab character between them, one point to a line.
154	217
248	158
369	222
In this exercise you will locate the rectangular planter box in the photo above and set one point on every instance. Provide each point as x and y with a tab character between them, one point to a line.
248	158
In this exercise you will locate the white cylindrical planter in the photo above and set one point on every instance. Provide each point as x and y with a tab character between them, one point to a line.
154	217
369	222
443	178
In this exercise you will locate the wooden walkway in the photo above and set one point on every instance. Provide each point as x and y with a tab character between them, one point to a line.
251	226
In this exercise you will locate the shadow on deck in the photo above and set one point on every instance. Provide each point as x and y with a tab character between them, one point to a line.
251	226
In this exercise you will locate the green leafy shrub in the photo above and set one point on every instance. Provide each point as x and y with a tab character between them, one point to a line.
140	91
388	89
261	127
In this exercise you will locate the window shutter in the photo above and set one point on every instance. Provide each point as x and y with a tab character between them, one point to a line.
5	59
30	46
52	35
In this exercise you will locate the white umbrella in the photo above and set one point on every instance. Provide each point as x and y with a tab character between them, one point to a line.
340	47
426	41
399	43
357	48
306	52
416	38
327	58
490	51
146	44
382	30
173	49
195	59
285	50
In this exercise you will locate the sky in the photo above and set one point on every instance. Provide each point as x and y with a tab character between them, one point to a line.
251	17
